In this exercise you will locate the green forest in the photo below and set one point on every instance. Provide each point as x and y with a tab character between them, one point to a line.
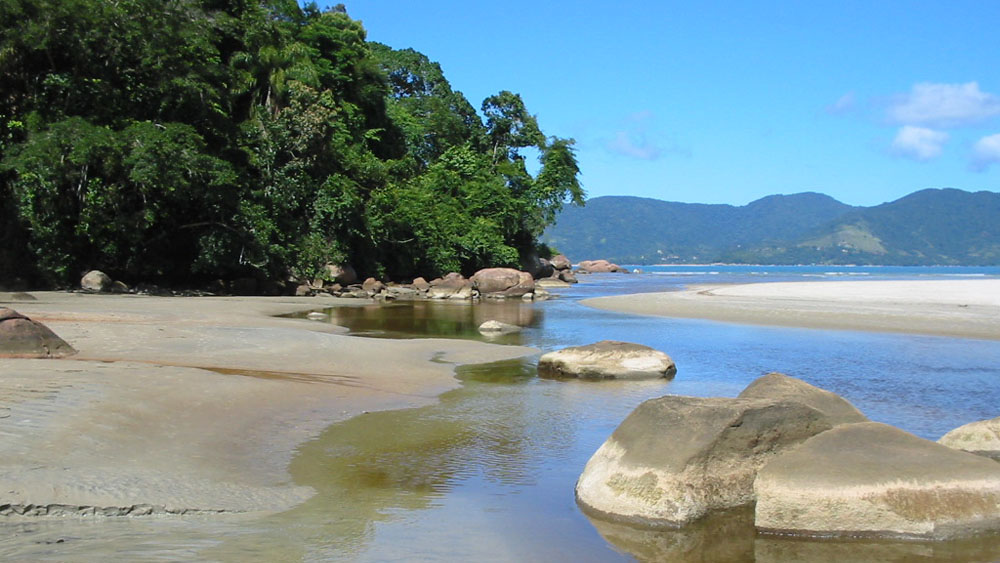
181	141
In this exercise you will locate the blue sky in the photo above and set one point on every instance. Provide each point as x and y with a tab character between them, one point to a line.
726	102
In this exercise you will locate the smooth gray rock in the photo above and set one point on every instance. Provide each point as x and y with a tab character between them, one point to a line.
21	337
778	386
871	479
96	280
507	282
608	359
497	327
981	438
675	459
560	262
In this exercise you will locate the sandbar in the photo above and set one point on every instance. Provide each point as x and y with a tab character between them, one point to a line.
191	405
959	308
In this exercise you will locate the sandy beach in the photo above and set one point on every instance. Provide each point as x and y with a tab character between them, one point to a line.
184	405
962	308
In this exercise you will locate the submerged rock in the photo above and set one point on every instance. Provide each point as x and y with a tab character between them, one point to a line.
675	459
608	359
779	386
876	480
21	337
981	438
497	327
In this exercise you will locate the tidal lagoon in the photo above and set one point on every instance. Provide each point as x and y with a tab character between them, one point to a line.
486	472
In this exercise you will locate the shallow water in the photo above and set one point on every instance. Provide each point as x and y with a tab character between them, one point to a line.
488	472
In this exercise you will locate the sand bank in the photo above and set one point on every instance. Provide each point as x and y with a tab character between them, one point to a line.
964	308
194	405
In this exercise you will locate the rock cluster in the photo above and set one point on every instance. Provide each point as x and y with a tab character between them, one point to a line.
599	267
555	272
608	359
489	283
96	281
807	460
21	337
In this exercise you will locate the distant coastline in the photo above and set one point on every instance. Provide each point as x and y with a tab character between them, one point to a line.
934	227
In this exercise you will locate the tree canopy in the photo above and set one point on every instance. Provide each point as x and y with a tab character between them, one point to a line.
178	141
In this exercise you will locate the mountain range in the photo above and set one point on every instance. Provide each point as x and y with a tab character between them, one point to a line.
928	227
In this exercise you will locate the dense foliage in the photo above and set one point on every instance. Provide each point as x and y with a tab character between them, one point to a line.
929	227
180	141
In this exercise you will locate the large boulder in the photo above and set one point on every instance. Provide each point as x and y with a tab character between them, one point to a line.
981	437
96	280
536	266
21	337
560	262
507	282
675	459
600	267
876	480
452	286
344	274
607	359
373	286
779	387
567	276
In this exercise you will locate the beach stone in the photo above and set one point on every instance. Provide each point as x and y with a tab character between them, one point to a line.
981	437
778	386
497	327
560	262
420	284
607	359
372	286
452	286
600	267
503	281
343	274
876	480
96	280
568	276
675	459
21	337
401	292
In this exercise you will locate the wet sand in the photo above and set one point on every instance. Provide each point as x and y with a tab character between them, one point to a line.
962	308
189	405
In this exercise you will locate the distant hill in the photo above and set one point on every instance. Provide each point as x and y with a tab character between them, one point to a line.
935	226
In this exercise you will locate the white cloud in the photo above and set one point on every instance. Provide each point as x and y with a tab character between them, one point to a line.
845	104
919	143
985	152
944	105
634	145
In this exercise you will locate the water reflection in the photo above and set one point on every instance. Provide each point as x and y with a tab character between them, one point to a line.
439	319
720	538
503	430
498	458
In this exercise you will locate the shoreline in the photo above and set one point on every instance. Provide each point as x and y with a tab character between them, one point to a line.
191	405
954	308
